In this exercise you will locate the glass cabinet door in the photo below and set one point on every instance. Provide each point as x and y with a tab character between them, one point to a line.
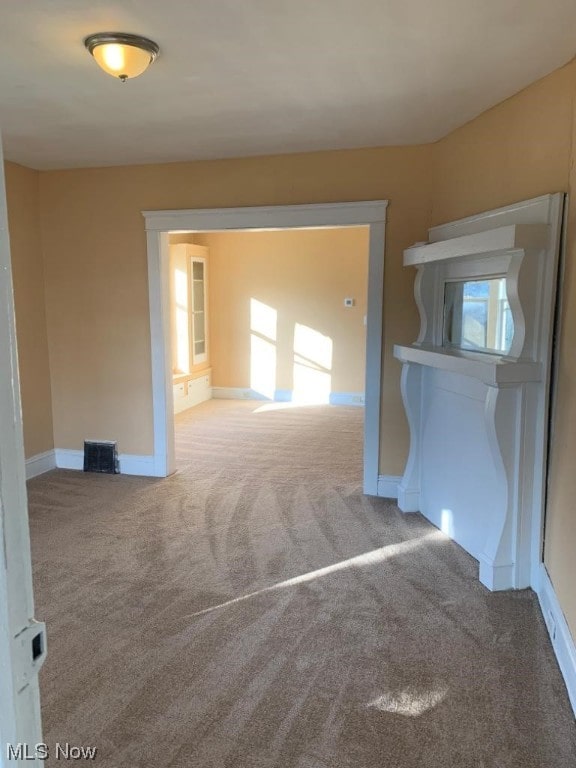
198	314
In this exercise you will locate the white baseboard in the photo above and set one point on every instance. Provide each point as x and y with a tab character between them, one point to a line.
283	396
347	398
130	464
237	393
559	631
496	578
68	459
408	499
388	486
42	462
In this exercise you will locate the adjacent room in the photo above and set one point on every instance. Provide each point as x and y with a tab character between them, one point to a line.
273	317
287	422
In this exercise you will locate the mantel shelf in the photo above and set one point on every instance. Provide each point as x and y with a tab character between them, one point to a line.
489	242
493	370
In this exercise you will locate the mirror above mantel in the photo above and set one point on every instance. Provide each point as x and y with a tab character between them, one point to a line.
476	292
477	316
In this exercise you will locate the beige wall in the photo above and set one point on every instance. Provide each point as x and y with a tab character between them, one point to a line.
560	545
182	238
520	149
303	276
517	150
28	273
96	277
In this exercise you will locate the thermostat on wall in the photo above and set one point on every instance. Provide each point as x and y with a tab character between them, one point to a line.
349	302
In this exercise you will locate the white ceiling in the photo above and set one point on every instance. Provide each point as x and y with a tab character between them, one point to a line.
248	77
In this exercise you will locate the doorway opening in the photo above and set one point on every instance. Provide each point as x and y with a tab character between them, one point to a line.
161	226
270	321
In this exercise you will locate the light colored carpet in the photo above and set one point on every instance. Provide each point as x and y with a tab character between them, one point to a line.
256	611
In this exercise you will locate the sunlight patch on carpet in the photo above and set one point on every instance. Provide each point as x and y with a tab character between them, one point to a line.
373	557
408	703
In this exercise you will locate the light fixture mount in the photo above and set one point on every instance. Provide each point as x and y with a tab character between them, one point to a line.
121	54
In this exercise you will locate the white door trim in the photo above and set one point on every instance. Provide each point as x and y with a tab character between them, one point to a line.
19	696
159	224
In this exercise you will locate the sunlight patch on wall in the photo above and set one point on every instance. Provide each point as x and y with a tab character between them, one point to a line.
263	319
312	366
262	366
313	345
447	522
182	362
263	327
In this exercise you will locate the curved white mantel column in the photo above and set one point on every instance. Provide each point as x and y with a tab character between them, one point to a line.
478	421
411	388
499	560
451	404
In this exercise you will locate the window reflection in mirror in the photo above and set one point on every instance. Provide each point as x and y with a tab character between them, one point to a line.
477	315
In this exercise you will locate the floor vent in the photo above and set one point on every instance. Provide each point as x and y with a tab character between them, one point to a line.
101	457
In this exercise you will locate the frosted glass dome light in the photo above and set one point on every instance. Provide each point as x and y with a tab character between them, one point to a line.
122	55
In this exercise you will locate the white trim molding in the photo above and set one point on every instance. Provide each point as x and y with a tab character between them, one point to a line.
160	224
236	393
357	399
40	463
388	486
559	631
130	464
316	215
20	720
69	459
408	498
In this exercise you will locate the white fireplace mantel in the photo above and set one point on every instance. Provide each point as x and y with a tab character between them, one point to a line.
478	421
489	242
493	370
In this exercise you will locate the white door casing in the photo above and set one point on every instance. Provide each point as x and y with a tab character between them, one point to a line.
160	224
19	696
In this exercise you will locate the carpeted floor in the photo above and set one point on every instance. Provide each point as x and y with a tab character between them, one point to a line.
256	611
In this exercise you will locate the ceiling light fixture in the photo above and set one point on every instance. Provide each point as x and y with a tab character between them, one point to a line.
122	55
